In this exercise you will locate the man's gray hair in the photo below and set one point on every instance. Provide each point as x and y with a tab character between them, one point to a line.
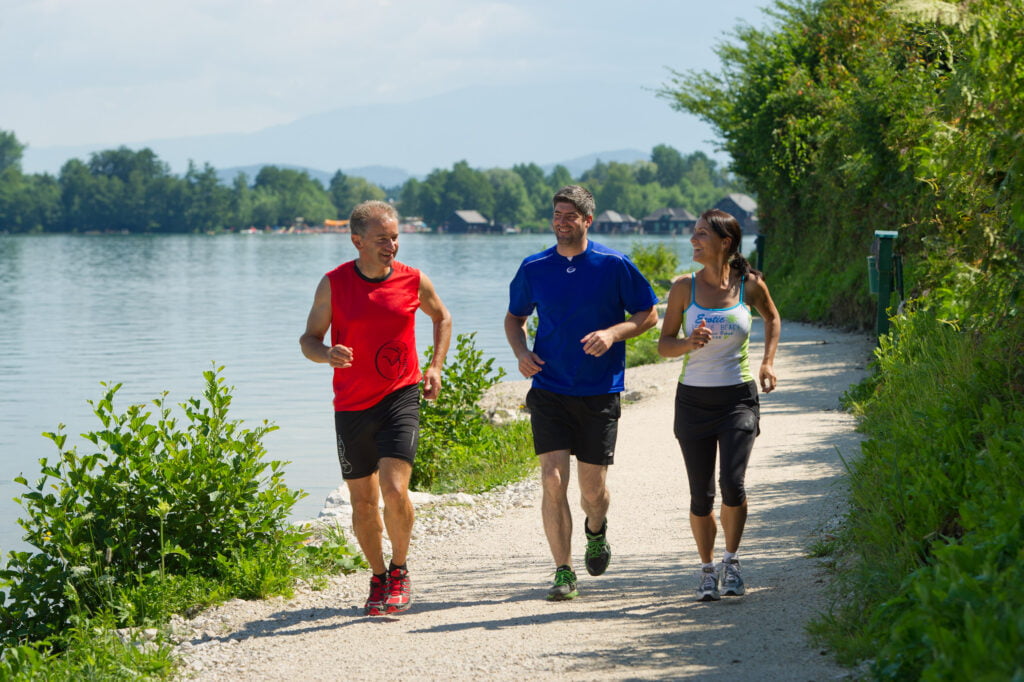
580	197
367	212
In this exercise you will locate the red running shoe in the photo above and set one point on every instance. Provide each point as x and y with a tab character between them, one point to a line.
378	595
399	591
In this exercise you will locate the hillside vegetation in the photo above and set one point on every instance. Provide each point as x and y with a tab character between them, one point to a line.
849	116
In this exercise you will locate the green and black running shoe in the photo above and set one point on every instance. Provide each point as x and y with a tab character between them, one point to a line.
565	585
599	552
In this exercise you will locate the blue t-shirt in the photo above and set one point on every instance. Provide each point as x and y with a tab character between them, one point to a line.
573	297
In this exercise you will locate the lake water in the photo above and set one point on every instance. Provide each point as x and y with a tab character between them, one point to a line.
153	312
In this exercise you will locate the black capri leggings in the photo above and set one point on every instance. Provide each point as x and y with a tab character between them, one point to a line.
723	419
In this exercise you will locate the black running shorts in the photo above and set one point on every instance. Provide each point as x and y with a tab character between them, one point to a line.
391	428
586	426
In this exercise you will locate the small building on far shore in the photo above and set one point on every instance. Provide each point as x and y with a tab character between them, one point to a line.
744	209
669	221
470	222
613	222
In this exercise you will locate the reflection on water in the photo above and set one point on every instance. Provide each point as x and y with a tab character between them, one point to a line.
153	312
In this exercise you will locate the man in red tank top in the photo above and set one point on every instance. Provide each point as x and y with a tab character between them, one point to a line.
369	305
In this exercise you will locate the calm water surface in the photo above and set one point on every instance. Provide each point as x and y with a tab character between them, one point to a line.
154	312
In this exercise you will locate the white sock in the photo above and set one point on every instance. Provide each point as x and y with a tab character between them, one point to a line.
727	556
710	565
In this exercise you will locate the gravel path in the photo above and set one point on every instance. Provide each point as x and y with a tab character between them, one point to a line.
481	567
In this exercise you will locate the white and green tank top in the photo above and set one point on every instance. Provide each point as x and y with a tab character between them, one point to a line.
724	360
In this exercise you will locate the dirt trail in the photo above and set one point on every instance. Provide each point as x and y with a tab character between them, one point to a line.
479	609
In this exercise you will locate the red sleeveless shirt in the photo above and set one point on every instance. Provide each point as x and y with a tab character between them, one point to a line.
377	320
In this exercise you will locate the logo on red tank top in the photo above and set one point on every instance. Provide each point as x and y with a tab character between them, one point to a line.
392	360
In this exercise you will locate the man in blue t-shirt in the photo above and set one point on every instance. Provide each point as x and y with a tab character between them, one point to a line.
581	291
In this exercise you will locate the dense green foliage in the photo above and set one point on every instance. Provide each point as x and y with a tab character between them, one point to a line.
122	190
348	190
643	349
460	449
658	263
848	116
157	520
825	117
936	536
522	196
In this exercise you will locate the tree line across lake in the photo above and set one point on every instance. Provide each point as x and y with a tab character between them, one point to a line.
125	190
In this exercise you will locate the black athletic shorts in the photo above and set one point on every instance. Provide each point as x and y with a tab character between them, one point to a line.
586	426
391	428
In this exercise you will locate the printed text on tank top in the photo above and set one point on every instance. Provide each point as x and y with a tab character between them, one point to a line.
724	360
722	321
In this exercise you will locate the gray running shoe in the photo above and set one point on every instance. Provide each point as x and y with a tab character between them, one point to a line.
707	588
732	581
565	585
599	552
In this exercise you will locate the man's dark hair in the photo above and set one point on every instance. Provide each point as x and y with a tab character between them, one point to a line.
580	197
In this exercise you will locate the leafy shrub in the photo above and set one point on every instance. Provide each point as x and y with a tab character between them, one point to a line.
643	349
91	651
459	448
153	500
331	554
935	515
658	264
499	454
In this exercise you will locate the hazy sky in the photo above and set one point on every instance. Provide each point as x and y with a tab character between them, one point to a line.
122	71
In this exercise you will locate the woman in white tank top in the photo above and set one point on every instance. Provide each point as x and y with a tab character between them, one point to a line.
717	409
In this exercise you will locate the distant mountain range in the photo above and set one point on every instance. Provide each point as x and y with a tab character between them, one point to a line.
393	177
379	175
484	125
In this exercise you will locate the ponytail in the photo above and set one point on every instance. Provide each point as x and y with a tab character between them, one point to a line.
739	263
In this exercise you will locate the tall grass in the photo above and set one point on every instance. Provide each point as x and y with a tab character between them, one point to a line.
932	553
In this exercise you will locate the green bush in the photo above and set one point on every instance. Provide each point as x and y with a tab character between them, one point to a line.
643	349
934	540
497	455
658	264
152	501
459	448
87	647
91	651
331	554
